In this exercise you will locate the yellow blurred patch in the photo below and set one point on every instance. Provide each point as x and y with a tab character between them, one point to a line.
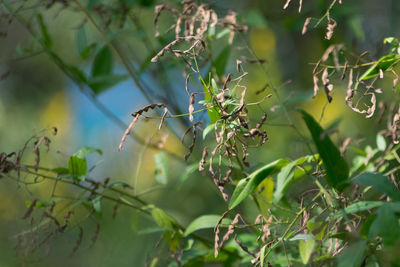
331	111
263	41
57	114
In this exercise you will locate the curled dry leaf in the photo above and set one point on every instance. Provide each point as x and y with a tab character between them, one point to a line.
327	85
127	131
344	146
192	100
287	4
203	159
330	29
216	232
304	30
163	118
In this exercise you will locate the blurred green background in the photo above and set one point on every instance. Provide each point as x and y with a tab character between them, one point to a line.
35	95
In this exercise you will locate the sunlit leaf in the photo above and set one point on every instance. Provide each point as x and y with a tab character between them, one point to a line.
161	170
77	167
381	142
306	248
383	64
264	195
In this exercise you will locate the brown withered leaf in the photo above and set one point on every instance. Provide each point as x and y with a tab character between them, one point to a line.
344	146
127	131
203	160
287	4
316	87
304	30
192	100
216	233
327	85
330	29
163	118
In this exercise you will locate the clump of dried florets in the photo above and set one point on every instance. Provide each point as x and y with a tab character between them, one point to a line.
196	21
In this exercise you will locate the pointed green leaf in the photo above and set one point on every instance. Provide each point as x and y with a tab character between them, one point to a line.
246	186
336	167
287	176
383	64
205	222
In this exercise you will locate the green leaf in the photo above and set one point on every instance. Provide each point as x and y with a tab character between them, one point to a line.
306	248
246	186
86	150
162	169
336	167
205	222
208	129
77	167
76	74
383	64
101	83
381	142
287	176
45	34
264	195
163	219
103	62
386	225
302	237
172	235
394	42
353	255
379	182
317	229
